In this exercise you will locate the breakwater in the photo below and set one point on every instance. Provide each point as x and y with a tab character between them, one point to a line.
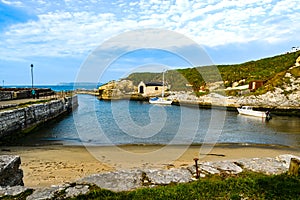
27	117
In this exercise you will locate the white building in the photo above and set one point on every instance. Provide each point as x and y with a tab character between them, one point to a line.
151	88
294	49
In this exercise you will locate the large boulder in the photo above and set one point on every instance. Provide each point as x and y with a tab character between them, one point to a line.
10	174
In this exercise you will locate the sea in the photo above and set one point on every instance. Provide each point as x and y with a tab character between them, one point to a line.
122	122
60	87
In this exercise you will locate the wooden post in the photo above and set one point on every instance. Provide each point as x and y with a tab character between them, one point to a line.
197	170
294	167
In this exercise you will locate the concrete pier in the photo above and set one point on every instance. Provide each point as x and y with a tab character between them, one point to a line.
23	118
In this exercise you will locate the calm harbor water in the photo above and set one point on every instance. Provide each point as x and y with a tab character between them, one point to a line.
102	123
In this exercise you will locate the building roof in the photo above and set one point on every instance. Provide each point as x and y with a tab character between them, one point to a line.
154	84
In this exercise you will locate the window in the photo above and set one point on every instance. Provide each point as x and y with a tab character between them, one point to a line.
156	88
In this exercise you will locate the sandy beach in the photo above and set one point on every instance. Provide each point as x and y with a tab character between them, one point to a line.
58	164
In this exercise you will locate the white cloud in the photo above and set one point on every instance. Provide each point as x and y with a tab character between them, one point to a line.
14	3
74	28
285	6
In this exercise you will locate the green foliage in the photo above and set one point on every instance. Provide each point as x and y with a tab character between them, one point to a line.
295	72
232	93
247	185
263	69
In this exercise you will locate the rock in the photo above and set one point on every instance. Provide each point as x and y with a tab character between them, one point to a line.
44	193
235	84
263	165
10	174
133	179
286	159
116	89
217	167
59	192
76	190
12	191
227	166
276	165
115	181
208	169
165	177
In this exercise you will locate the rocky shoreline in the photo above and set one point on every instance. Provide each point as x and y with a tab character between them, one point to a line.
263	102
216	101
125	180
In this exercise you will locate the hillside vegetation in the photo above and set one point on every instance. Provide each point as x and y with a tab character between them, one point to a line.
268	69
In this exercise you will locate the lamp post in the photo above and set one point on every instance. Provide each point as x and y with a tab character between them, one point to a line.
31	75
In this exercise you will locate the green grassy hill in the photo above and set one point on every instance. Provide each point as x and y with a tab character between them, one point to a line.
268	69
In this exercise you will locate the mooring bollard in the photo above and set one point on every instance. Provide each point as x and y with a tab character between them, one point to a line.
196	165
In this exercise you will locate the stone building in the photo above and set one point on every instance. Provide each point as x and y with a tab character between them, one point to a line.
151	88
254	85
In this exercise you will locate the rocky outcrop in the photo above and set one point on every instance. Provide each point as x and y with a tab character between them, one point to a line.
125	180
117	90
10	174
210	100
18	120
283	96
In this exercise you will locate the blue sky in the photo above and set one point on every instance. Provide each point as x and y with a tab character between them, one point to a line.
58	36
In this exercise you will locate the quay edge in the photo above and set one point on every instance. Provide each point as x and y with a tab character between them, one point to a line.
19	121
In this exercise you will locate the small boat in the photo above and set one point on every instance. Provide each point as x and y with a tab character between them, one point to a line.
161	100
248	110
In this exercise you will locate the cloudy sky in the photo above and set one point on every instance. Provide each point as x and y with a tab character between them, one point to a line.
58	36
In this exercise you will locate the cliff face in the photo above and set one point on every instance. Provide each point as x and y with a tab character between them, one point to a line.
23	119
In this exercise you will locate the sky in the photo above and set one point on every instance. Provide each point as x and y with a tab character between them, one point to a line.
61	37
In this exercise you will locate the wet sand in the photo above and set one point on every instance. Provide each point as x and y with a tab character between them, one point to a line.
58	164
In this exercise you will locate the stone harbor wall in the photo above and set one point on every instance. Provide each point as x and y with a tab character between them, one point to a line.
22	93
126	180
14	121
6	95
